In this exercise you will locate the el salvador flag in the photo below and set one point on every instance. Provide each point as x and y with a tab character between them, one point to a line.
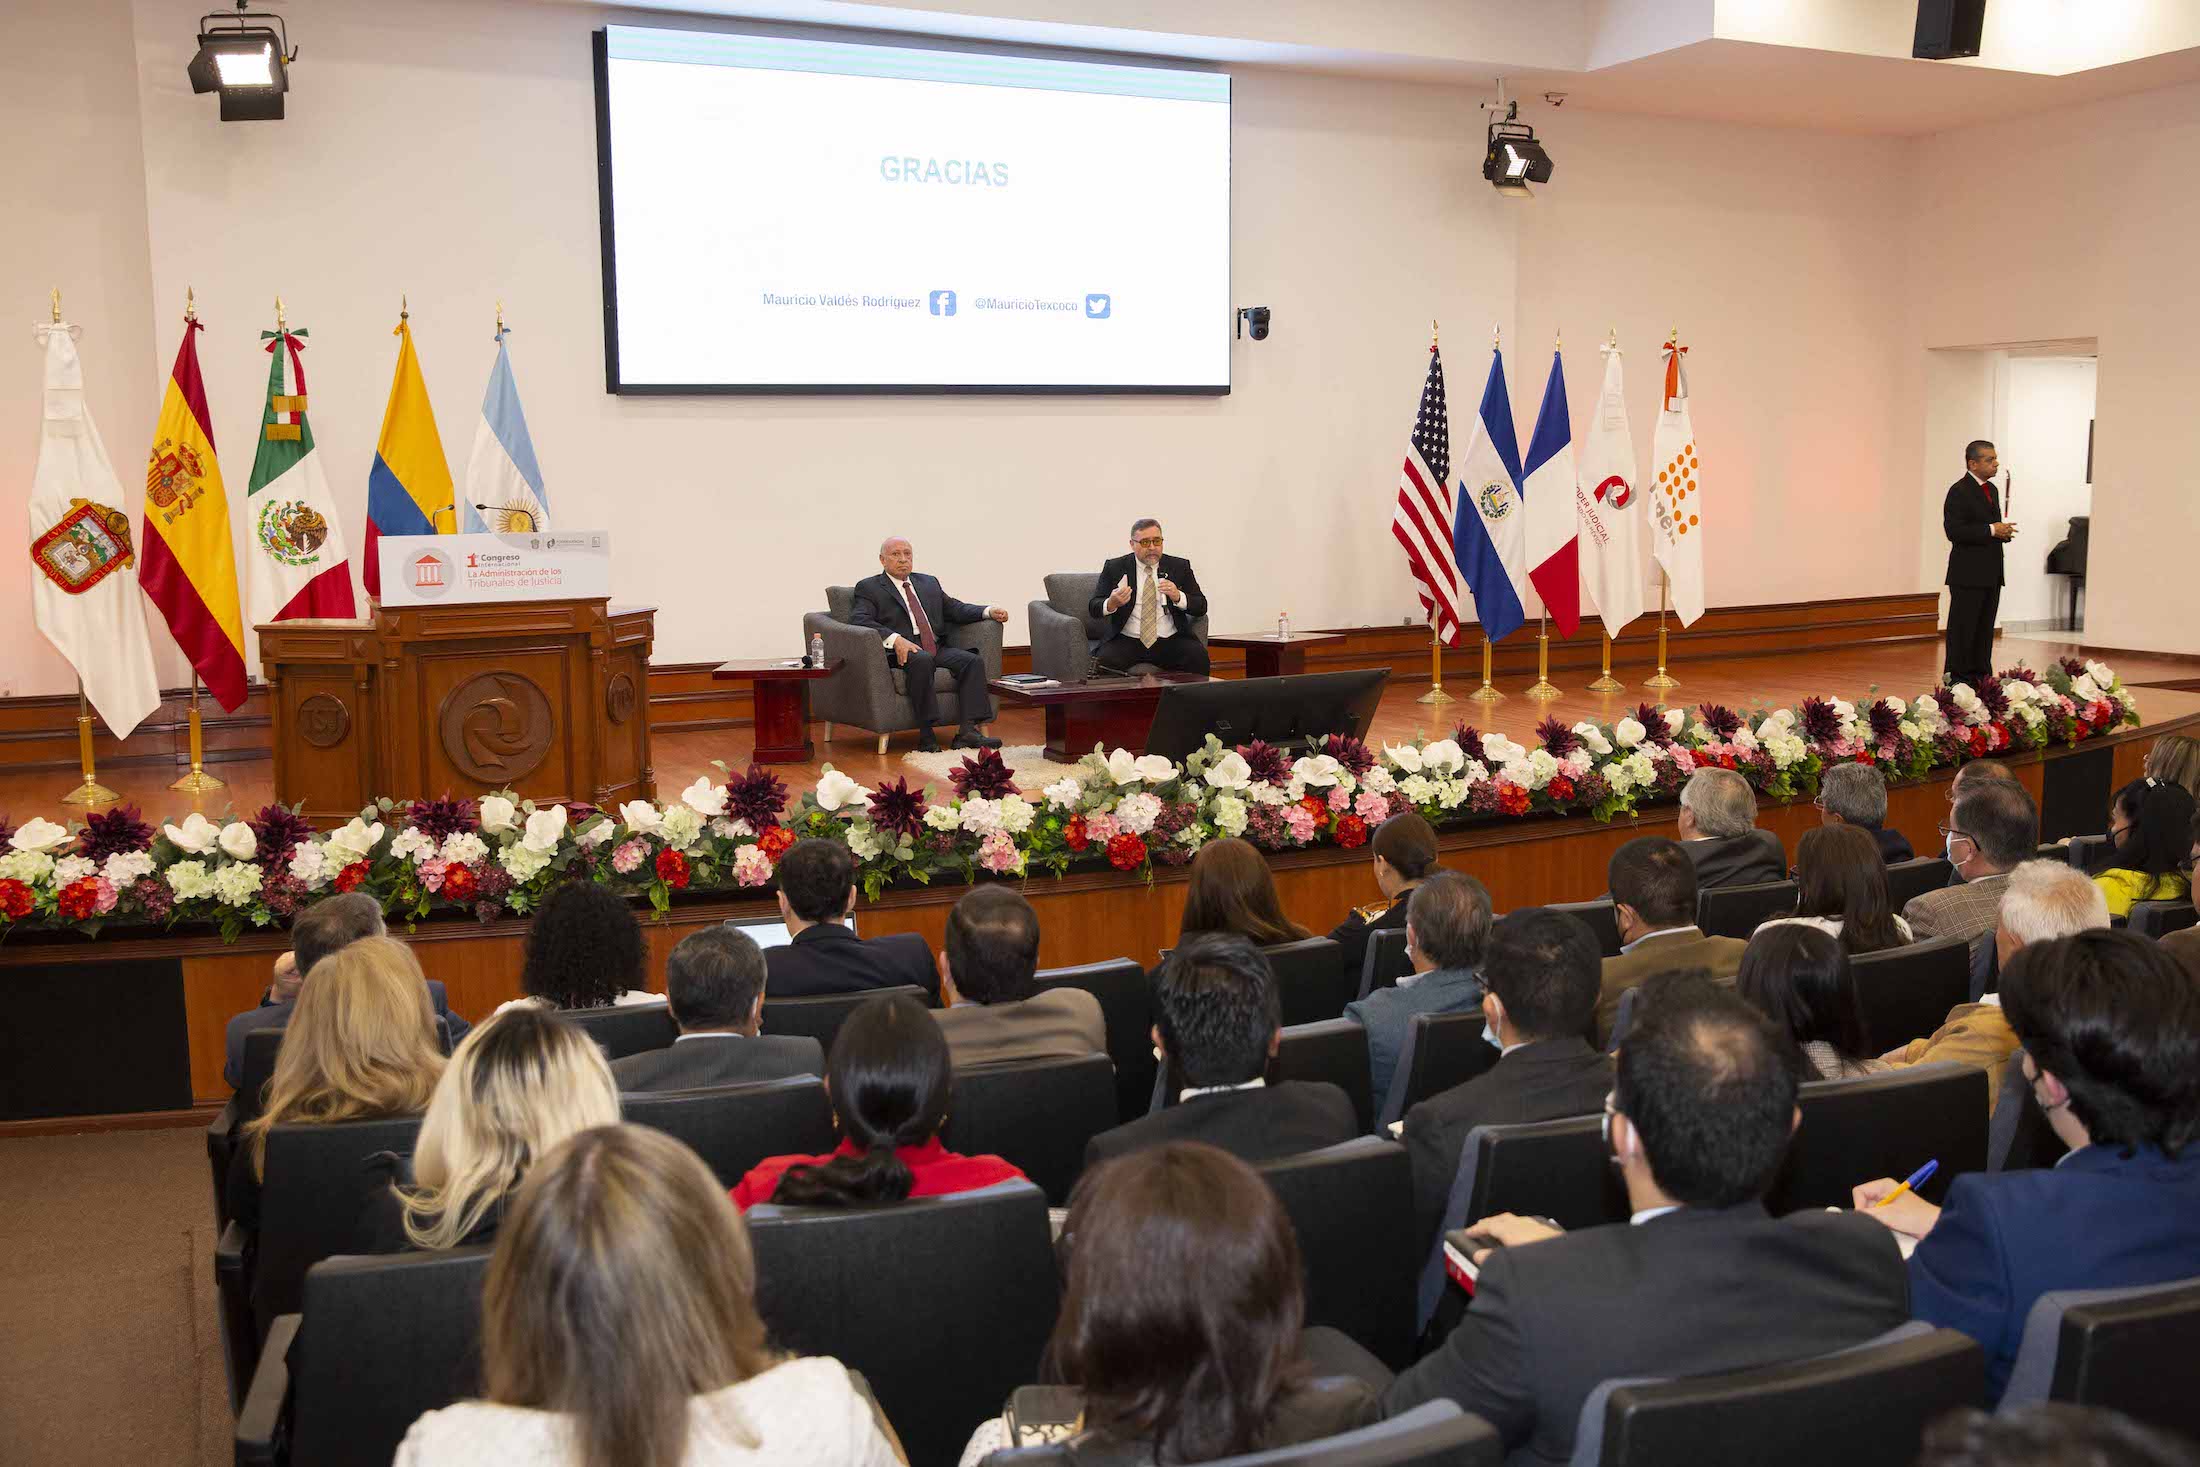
501	471
1490	537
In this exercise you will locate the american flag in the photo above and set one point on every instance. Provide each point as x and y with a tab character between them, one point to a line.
1422	522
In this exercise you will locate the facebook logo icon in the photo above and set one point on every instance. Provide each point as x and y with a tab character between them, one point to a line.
943	303
1098	305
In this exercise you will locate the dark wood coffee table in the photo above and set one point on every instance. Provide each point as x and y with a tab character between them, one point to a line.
1114	712
1268	655
781	697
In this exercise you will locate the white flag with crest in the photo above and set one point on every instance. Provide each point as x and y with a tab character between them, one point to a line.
1610	507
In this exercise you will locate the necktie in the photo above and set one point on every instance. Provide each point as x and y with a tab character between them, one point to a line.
925	639
1149	612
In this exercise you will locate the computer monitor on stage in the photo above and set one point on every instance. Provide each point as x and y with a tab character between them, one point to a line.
1288	712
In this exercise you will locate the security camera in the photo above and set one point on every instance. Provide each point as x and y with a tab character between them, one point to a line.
1255	317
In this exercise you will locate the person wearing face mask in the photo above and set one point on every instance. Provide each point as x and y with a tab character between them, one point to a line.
1447	928
1541	980
2110	1029
1991	829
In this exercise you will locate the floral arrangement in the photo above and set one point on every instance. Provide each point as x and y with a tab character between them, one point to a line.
498	854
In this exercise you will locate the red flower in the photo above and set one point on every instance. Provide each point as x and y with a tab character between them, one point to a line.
672	869
1126	852
775	842
1865	757
460	884
1977	742
79	899
349	878
1317	807
1511	798
1560	789
1073	834
1351	832
16	900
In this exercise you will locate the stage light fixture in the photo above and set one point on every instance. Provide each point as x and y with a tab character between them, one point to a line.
246	60
1515	159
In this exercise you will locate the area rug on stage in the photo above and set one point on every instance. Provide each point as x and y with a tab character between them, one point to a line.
1034	771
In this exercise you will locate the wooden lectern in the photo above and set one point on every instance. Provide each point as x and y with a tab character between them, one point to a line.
549	699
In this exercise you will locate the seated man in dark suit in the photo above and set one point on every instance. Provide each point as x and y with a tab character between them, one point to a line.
714	984
1220	1021
1447	928
1856	794
1993	827
2110	1029
992	1012
1149	599
330	923
1718	830
1654	905
909	609
817	892
1542	982
1702	1280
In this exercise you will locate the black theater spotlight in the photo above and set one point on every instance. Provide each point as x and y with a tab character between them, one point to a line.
246	60
1255	318
1515	159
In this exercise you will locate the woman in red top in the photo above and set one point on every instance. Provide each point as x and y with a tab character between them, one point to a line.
889	1077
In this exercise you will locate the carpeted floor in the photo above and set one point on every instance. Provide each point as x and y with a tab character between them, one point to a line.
113	1353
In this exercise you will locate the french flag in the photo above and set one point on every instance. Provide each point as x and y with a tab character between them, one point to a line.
1554	529
1488	536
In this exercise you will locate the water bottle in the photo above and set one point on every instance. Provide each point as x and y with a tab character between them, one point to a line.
817	649
1283	626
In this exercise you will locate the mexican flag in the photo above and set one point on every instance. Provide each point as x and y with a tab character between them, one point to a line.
297	566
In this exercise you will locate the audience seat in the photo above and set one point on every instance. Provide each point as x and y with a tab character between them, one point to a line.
2019	1137
1126	1007
1432	1434
1386	961
222	1133
733	1127
379	1341
1311	979
2160	919
1914	878
1884	1125
1906	992
1037	1114
2115	1349
1622	1021
1554	1169
1736	911
633	1029
1352	1207
2082	849
943	1303
1868	1404
1335	1051
1441	1050
821	1016
1603	920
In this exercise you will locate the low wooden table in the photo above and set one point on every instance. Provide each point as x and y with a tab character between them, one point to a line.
1115	712
1268	655
782	701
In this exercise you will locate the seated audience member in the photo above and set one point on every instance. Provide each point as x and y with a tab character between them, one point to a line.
583	951
889	1077
360	1046
1654	905
1718	830
1841	889
316	932
2110	1029
519	1085
714	982
1232	890
1541	974
1799	978
1856	794
1218	1026
994	1012
817	892
1447	928
619	1325
2175	759
1207	1366
2042	900
1404	852
1992	828
2050	1434
2149	846
1702	1280
1971	774
2185	945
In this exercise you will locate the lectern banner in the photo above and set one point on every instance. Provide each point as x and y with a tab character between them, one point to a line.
447	570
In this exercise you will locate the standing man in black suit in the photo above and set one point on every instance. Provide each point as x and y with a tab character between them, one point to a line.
1150	599
907	608
1971	517
714	983
817	892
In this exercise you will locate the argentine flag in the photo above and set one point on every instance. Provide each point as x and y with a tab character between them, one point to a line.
503	482
1490	535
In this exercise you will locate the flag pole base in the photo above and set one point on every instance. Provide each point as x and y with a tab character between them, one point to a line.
1435	693
1541	689
1543	692
198	781
91	792
1606	683
1659	680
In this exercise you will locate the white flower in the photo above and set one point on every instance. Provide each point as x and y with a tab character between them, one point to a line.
1262	792
1964	697
1543	764
1192	836
2098	671
864	841
681	827
497	814
1674	718
1908	729
1122	767
836	791
1418	788
1640	771
1895	706
1378	781
1743	739
1786	749
2019	691
1619	776
196	836
2082	687
980	817
1016	813
238	883
39	834
1405	756
308	866
705	798
124	867
1579	763
1843	709
355	842
1229	814
1137	813
1155	768
523	860
942	817
1065	792
28	867
726	829
600	829
1592	738
1629	733
545	828
1320	769
1443	757
71	869
643	818
188	879
412	844
1230	772
237	841
464	847
1475	773
1497	749
1520	772
1451	792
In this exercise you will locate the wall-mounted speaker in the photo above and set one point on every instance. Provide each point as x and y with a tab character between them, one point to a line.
1948	28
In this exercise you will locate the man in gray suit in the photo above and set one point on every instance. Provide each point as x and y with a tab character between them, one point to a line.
1992	828
993	1012
714	983
1718	830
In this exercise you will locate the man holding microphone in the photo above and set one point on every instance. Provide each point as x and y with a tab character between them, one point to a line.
1972	519
1150	600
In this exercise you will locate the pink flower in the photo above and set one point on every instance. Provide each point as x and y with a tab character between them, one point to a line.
1339	801
1300	822
1684	760
751	867
997	853
629	856
1100	829
107	895
431	873
1371	807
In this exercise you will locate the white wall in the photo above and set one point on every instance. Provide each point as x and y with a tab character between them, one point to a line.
2046	404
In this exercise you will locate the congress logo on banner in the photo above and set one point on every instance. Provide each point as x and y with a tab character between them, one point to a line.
84	546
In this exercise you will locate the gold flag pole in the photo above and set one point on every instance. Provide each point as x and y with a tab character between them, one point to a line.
1661	681
1607	683
1541	689
1435	693
198	781
1486	693
91	792
57	305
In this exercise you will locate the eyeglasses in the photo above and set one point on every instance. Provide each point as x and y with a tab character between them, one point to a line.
1947	831
1147	540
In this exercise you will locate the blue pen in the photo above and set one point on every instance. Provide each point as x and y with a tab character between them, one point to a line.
1916	1179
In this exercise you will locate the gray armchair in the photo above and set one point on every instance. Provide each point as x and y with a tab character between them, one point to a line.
1064	636
870	690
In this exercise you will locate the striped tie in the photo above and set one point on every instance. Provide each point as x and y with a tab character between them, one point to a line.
1149	613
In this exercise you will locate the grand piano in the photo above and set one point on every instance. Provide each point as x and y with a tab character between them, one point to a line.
2068	559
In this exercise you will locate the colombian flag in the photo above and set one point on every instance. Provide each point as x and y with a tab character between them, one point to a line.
409	489
188	566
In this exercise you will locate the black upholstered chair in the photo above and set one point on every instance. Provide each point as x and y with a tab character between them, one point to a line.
2160	919
621	1030
733	1127
1036	1114
943	1303
2112	1348
1352	1207
2083	848
1432	1434
1603	920
254	1071
1311	979
1906	992
1630	1003
379	1341
1334	1050
1441	1050
1736	911
1126	1007
1385	961
2019	1137
1883	1125
821	1016
1553	1169
1914	878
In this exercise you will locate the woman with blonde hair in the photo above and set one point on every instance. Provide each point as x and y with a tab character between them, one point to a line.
2175	759
619	1329
1232	890
517	1086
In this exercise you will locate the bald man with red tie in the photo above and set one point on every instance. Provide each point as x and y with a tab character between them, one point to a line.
1972	519
907	609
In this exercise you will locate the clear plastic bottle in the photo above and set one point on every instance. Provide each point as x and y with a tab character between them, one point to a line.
817	649
1283	626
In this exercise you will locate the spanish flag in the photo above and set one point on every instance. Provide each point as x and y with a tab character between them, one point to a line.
409	488
188	566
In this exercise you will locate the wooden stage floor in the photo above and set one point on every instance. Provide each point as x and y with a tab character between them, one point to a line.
1904	668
